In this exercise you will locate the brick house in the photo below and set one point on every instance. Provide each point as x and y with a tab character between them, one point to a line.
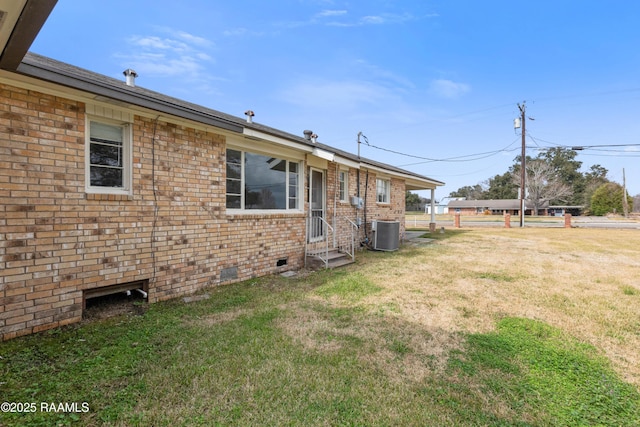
507	206
107	187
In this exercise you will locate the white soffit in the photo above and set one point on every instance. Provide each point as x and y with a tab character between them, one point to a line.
327	155
254	134
10	11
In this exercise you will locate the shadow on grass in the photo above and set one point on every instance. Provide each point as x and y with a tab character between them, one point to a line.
441	234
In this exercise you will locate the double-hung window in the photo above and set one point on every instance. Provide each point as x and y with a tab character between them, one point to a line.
383	190
108	157
343	185
256	181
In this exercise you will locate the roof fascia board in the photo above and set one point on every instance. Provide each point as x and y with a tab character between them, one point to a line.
32	18
346	162
323	154
88	98
256	134
127	97
266	148
414	181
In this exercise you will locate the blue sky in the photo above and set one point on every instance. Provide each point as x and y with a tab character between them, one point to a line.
436	80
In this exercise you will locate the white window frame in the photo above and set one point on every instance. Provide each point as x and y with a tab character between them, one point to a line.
127	161
343	185
383	191
288	197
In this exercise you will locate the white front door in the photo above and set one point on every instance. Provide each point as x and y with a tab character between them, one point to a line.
317	227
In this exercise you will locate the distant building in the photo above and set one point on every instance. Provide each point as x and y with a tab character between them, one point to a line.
506	206
442	207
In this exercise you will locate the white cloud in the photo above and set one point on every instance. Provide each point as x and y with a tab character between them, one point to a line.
448	88
343	18
192	39
334	94
242	32
176	53
331	13
157	43
373	20
384	75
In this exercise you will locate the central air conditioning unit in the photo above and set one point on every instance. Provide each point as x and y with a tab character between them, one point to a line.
386	235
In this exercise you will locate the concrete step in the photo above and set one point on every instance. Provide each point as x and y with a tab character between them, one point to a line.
335	259
339	262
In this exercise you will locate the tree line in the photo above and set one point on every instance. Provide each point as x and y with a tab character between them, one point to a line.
554	177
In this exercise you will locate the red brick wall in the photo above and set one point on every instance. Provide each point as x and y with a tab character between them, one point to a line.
393	211
57	241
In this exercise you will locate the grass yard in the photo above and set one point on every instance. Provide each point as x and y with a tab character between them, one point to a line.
484	327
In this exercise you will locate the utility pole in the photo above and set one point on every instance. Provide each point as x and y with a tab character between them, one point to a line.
523	173
625	202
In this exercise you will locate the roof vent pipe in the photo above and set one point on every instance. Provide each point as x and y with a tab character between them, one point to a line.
249	115
130	76
307	134
314	138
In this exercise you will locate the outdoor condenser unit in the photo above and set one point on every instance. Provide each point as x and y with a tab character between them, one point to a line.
386	235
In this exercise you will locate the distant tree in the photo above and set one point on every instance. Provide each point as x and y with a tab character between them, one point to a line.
543	184
567	170
608	199
412	201
636	203
593	179
469	192
500	187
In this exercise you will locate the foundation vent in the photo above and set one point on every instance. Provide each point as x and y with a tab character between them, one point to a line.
230	273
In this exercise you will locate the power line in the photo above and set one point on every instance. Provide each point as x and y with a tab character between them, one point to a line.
593	147
463	158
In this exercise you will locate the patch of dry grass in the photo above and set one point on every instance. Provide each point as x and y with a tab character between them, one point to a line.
475	328
581	281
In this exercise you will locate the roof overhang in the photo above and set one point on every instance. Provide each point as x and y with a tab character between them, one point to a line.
412	182
20	23
105	91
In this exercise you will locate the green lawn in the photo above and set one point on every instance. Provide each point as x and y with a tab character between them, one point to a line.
331	348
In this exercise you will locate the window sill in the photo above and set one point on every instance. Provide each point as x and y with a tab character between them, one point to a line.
255	214
108	197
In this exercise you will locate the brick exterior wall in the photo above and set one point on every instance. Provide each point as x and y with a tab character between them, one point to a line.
56	241
393	211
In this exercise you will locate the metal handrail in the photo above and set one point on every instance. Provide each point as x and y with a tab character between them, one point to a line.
311	228
352	243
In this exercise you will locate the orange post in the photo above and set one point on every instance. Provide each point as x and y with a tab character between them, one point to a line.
567	220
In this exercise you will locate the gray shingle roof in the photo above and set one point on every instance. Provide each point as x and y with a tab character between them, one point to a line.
47	69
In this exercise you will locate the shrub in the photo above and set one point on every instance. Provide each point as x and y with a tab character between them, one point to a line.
608	199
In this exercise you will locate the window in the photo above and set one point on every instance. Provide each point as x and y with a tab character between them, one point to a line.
108	158
343	185
383	191
255	181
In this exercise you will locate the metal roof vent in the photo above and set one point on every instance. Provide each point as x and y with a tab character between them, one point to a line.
130	76
249	115
307	134
314	138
